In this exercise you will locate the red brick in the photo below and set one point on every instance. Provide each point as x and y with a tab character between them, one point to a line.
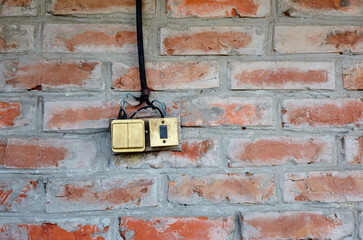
282	75
38	75
321	7
79	114
195	152
353	149
322	112
318	39
324	187
66	7
353	77
279	151
89	38
19	7
227	111
167	76
48	153
104	194
218	188
297	225
21	195
16	38
212	41
15	114
223	8
166	228
70	229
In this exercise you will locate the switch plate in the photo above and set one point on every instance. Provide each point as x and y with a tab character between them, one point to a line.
163	132
128	135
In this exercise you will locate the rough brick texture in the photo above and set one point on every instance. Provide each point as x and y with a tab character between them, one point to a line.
322	112
176	227
282	75
16	38
278	151
167	76
318	39
89	38
353	77
321	7
211	41
296	225
324	186
259	188
22	195
216	111
79	115
39	75
65	7
269	97
48	153
224	8
88	195
19	8
65	229
353	149
195	152
15	114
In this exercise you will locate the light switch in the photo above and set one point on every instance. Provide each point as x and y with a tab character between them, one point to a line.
163	132
128	135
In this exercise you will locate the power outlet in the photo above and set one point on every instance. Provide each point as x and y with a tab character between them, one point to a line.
163	132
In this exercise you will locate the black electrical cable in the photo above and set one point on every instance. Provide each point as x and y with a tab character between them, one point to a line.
144	97
140	49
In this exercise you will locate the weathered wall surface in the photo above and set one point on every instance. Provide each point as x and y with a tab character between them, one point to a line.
269	94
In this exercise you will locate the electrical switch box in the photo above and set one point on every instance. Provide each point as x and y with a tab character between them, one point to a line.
163	132
128	135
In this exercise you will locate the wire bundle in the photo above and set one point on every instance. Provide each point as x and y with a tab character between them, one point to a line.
144	97
124	115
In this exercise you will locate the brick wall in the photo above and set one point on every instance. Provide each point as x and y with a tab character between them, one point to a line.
269	94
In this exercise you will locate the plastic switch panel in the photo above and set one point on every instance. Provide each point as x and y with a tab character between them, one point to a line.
128	135
163	132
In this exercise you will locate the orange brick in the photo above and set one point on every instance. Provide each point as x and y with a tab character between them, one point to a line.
16	38
15	114
79	114
22	195
70	229
105	194
229	111
212	41
195	152
48	153
19	8
279	151
322	112
218	188
43	75
89	38
297	225
318	39
167	76
282	75
222	8
353	77
66	7
321	7
165	228
353	149
324	187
